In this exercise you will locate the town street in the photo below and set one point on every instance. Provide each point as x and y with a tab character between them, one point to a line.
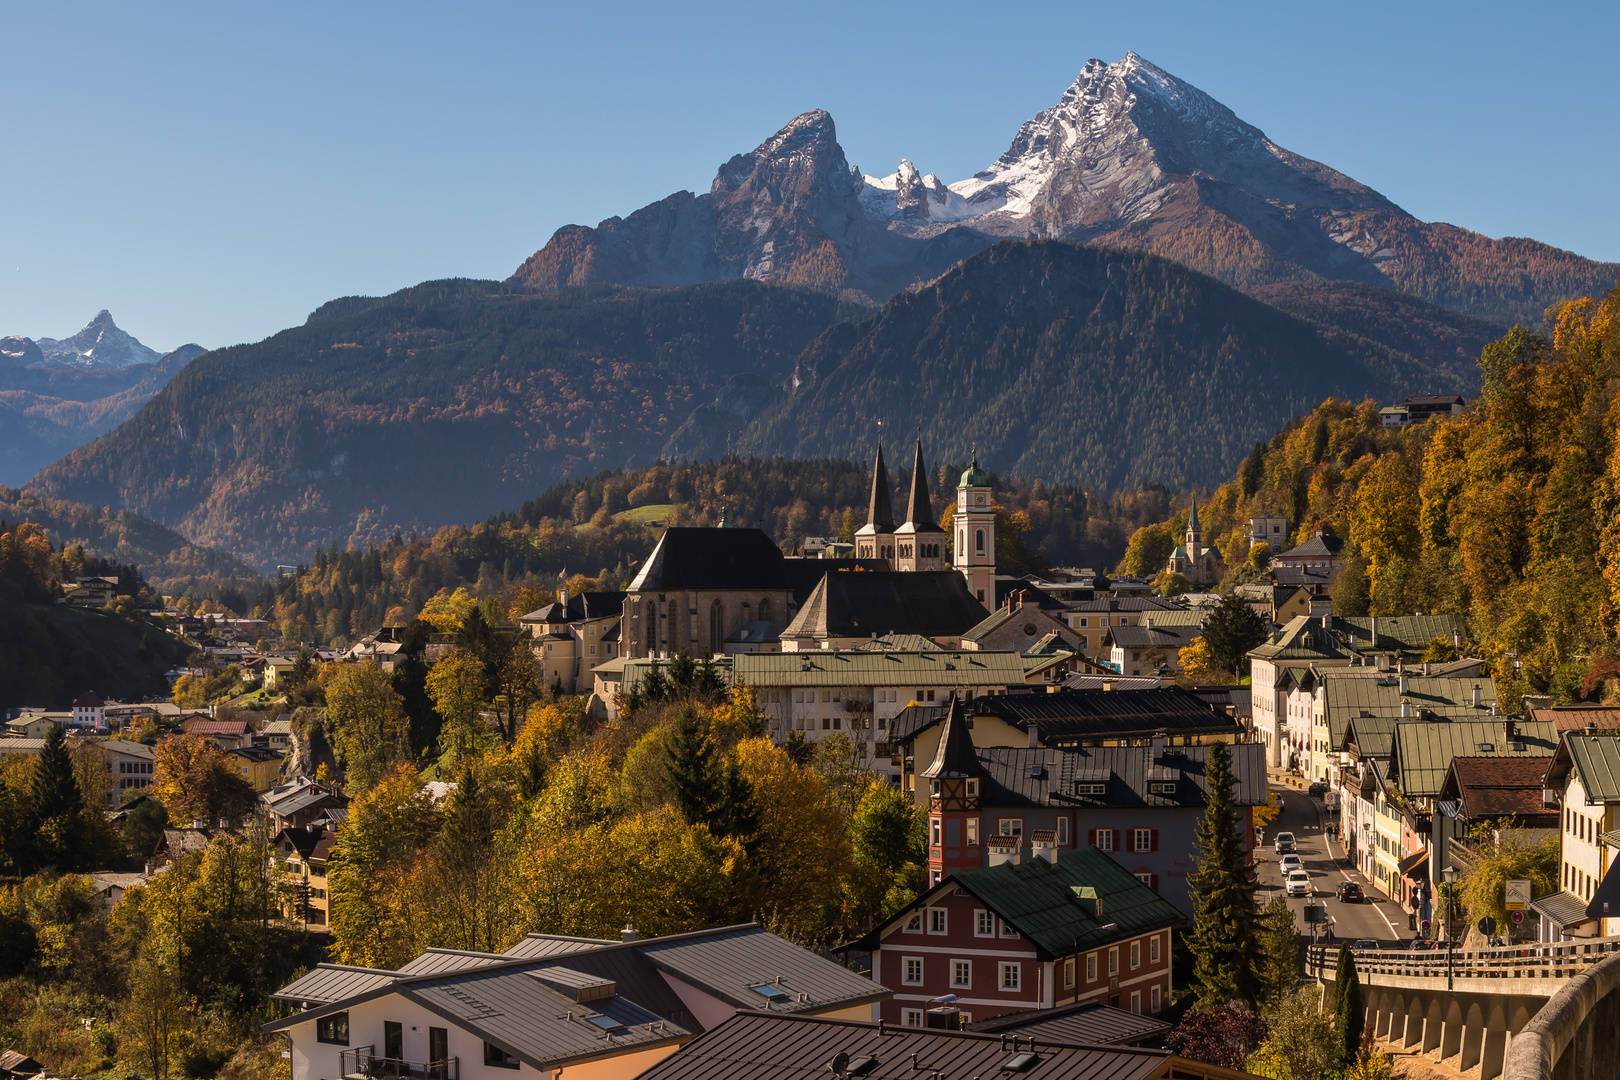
1377	918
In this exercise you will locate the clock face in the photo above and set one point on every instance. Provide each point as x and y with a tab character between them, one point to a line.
978	499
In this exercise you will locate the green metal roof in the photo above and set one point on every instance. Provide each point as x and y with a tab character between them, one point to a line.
1403	633
1596	759
1302	638
1350	695
1373	735
974	476
1044	902
1423	750
825	667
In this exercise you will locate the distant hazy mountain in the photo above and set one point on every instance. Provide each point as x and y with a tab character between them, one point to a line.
1130	156
56	394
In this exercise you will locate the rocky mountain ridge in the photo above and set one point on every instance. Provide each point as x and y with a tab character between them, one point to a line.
1130	156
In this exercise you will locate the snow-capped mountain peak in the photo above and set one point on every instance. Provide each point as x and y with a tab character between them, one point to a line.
101	344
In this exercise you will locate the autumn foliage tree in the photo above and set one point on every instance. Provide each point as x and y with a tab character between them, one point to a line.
196	780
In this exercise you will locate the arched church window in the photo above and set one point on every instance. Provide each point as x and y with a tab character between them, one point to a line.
765	610
979	540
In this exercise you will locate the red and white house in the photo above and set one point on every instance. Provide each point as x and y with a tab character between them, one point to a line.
1058	928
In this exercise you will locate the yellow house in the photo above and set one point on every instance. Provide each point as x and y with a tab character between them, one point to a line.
260	765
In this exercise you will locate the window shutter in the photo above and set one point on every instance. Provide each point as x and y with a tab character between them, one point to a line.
1113	839
1091	837
1154	844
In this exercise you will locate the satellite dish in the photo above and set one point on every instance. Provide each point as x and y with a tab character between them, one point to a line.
839	1063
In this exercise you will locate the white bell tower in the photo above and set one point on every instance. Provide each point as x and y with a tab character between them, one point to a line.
974	547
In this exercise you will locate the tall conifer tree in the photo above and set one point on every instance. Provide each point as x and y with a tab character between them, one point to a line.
690	766
1223	940
1348	1014
56	806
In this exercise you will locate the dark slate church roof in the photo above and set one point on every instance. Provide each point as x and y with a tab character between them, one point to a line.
933	603
728	559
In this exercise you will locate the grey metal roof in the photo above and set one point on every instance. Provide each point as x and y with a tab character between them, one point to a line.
436	961
535	1023
1373	736
1596	759
847	667
728	964
1302	638
902	643
326	983
1423	750
1083	1022
537	945
1155	637
1563	908
754	1046
1047	775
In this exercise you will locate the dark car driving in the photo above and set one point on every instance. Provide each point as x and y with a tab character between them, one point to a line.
1422	945
1350	893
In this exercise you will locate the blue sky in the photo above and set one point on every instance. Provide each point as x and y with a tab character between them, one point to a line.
213	172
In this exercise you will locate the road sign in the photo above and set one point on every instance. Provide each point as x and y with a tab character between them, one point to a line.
1517	916
1425	926
1487	926
1518	894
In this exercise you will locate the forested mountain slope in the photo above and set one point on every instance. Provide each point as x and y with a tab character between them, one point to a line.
1508	514
1077	365
438	404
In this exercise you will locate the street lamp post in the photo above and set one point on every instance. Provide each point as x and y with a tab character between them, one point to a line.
1449	875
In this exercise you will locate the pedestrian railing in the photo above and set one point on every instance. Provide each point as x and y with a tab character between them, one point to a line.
1531	960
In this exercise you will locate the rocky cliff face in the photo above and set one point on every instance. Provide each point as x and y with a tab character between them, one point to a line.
1130	156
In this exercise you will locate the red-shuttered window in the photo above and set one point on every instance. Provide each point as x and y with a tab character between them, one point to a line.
1103	839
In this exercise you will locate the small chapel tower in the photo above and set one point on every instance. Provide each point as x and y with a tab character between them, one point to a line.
975	549
954	780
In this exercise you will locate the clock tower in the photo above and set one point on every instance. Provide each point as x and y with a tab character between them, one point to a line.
974	554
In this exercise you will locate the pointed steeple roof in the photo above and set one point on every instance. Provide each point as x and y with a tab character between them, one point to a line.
1192	518
956	757
920	509
879	509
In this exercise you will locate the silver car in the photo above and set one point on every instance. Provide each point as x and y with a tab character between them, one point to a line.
1289	864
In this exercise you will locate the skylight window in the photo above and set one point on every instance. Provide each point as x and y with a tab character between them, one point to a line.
1022	1062
606	1023
770	992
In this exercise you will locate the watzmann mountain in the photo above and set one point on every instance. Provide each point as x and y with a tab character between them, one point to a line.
1129	157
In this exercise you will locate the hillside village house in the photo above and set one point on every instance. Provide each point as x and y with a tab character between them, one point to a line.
1582	786
573	635
1092	619
1270	531
1149	649
1062	927
859	693
1320	552
1140	804
554	1006
1069	718
306	851
1019	623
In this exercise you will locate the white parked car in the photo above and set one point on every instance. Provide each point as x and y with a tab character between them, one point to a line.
1299	883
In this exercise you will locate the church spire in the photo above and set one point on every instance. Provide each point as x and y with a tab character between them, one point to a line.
1192	518
879	509
921	508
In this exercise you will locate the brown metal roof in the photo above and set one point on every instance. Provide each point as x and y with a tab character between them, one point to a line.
1082	1022
772	1047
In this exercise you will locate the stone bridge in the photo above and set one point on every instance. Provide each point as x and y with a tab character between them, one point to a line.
1485	1012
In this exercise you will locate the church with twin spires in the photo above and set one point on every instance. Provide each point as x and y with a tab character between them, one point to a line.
918	543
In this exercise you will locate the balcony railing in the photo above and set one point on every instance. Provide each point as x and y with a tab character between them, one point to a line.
363	1063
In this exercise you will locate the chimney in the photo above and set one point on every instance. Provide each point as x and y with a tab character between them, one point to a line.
1510	730
1591	728
1403	682
628	933
1160	741
1034	736
1327	620
1043	845
1425	668
1373	632
1456	640
1476	695
1406	707
1110	684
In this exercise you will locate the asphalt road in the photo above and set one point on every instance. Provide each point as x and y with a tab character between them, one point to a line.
1380	919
